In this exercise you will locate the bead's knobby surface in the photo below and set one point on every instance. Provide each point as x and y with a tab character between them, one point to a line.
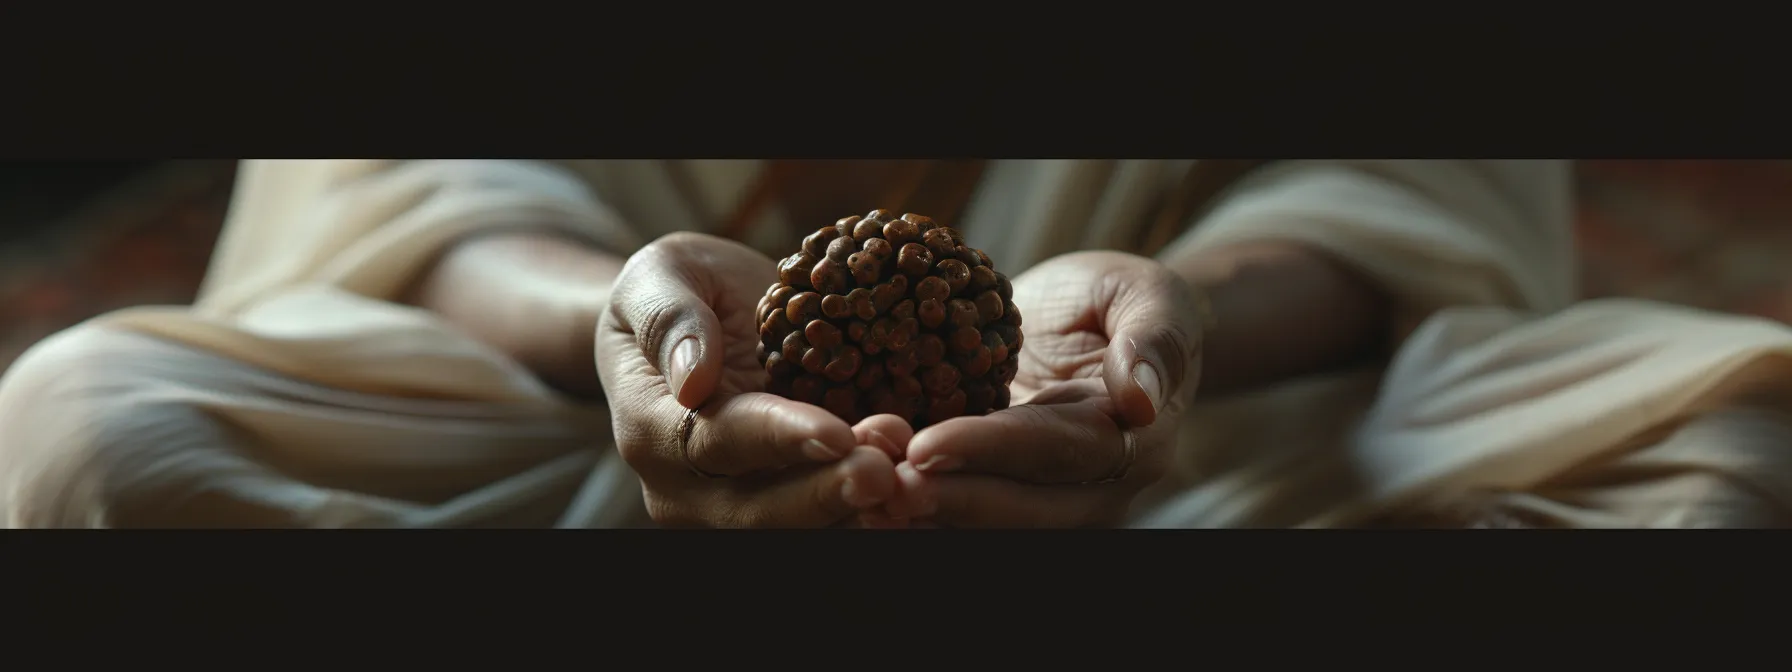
884	314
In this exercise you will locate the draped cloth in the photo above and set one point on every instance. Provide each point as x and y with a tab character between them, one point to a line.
297	392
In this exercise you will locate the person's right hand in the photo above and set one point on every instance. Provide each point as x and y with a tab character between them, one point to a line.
679	334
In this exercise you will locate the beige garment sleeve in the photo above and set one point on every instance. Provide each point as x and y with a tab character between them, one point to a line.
314	251
368	226
1433	233
1506	388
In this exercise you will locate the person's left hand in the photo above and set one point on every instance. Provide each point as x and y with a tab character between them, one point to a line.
1111	347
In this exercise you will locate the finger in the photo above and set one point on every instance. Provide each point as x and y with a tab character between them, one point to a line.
665	298
887	432
1037	443
814	498
751	432
914	497
1153	342
972	500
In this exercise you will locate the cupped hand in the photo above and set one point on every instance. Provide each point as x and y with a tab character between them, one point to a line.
680	334
1110	347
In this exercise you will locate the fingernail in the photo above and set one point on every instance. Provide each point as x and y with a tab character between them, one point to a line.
885	444
684	359
1145	375
818	451
940	463
849	491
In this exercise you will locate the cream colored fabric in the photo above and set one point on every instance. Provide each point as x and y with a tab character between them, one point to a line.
294	393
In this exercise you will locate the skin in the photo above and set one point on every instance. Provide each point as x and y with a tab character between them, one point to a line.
1280	310
540	298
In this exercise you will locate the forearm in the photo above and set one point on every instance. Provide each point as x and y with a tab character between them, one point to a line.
534	295
1281	310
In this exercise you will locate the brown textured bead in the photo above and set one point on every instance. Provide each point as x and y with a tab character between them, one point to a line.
816	244
901	362
903	310
869	377
932	289
842	401
829	277
880	331
794	346
778	366
815	360
862	305
822	334
977	395
866	229
989	307
775	328
932	313
968	256
901	232
884	297
878	247
965	339
866	269
961	313
886	314
1010	335
939	242
946	407
779	297
982	279
795	270
903	332
930	349
841	248
977	362
914	260
955	273
809	388
803	308
905	387
998	348
939	379
834	307
1005	371
844	225
845	364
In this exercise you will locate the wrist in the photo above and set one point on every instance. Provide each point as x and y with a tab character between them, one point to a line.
534	295
1279	310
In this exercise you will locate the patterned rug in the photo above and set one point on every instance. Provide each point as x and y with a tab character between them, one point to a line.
1713	234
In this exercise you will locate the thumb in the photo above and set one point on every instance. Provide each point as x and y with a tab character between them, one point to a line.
1153	345
673	324
685	346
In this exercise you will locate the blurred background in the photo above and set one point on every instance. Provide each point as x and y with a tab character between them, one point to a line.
82	238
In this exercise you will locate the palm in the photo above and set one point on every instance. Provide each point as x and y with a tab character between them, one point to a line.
1065	340
738	277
